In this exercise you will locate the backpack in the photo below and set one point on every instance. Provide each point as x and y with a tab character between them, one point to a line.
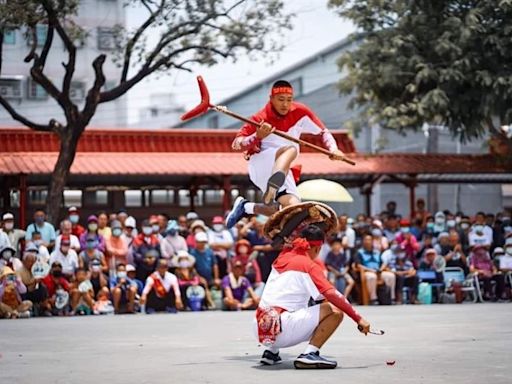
425	293
384	294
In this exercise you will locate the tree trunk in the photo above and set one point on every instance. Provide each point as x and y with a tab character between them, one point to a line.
68	145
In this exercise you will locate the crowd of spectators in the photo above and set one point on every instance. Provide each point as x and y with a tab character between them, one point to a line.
112	265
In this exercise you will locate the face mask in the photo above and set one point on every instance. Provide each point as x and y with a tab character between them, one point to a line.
147	231
9	226
39	220
57	273
156	228
376	233
64	249
430	225
464	225
121	275
405	229
38	242
6	255
116	232
91	244
440	221
217	227
458	219
74	219
171	232
92	227
450	223
184	264
96	268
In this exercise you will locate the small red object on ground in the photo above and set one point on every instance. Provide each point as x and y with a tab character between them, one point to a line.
390	362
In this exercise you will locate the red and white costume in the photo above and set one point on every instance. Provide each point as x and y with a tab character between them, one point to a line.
300	119
295	277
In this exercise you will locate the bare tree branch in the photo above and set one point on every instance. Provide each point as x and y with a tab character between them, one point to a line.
23	120
33	46
135	38
93	96
46	48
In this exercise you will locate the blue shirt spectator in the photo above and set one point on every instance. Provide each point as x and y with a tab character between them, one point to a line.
40	225
206	262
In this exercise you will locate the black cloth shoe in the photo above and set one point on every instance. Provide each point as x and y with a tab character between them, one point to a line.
313	360
270	358
275	182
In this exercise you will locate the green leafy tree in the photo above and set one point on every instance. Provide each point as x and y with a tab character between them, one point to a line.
189	32
438	62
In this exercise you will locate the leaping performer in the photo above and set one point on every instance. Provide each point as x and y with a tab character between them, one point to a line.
270	156
283	318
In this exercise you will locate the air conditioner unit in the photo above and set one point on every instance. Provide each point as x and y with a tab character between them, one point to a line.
11	88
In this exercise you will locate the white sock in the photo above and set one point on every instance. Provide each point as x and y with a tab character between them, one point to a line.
249	208
311	348
274	350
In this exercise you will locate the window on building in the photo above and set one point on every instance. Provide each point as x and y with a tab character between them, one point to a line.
41	32
106	39
213	196
77	91
9	37
37	196
10	88
72	198
95	198
184	198
162	196
35	91
213	121
133	198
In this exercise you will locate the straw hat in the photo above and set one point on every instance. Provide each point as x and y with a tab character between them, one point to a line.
6	271
285	225
183	254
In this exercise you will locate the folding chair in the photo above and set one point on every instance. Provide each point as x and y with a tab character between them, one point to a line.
456	274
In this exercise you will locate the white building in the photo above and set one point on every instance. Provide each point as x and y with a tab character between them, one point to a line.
97	18
163	111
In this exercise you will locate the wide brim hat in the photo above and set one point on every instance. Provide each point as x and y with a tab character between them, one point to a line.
286	224
6	271
181	255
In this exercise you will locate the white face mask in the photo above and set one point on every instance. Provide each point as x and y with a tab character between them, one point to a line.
147	230
156	228
9	226
92	227
184	264
121	275
217	227
450	223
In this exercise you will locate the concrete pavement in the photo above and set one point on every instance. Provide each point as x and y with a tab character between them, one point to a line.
468	343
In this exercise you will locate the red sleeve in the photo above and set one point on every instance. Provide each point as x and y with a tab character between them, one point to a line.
249	129
313	116
331	294
64	284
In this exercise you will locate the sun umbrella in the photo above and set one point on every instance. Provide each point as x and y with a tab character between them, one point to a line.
324	190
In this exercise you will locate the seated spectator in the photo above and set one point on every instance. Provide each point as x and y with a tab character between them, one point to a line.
54	282
407	241
103	228
66	230
91	253
504	258
391	228
187	275
117	248
147	265
36	291
40	250
161	292
74	219
92	230
244	253
163	221
183	227
16	236
8	258
206	263
417	228
172	241
82	294
66	257
433	262
124	291
195	227
369	260
98	279
482	265
11	303
338	265
129	231
221	242
442	246
145	242
41	226
405	277
235	286
254	233
480	233
131	272
454	254
439	223
380	242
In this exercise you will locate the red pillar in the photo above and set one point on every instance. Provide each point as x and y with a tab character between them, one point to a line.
412	199
23	200
226	186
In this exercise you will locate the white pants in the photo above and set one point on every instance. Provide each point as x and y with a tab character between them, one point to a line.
260	170
296	327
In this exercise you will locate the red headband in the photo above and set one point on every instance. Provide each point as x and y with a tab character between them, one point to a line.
315	243
277	90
